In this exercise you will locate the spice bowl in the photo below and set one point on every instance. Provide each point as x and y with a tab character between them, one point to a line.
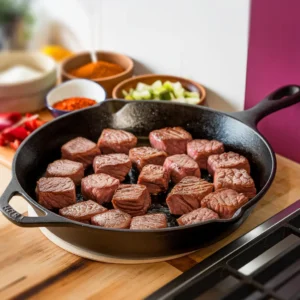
108	83
74	88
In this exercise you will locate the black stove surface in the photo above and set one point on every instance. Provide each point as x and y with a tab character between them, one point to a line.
263	264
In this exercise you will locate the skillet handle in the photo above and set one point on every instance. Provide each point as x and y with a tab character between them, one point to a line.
281	98
48	220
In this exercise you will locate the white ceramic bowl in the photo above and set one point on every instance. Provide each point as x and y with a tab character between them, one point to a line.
28	95
74	88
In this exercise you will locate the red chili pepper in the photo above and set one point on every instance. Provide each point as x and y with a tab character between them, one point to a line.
2	140
32	125
9	119
15	144
10	134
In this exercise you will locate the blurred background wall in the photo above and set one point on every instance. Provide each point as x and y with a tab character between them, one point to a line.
204	40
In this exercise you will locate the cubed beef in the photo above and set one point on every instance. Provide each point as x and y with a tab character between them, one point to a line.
155	178
55	192
99	187
80	149
116	141
187	195
82	211
197	216
151	221
227	160
142	156
133	199
116	165
113	218
66	168
172	140
200	150
225	202
180	165
236	179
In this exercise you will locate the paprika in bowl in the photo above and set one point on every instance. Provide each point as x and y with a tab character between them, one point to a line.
109	70
73	95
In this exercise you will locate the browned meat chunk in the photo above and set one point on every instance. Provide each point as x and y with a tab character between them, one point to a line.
197	216
55	192
66	168
227	160
172	140
200	150
116	165
236	179
81	150
142	156
133	199
99	187
116	141
82	211
225	202
179	166
187	195
114	218
151	221
155	178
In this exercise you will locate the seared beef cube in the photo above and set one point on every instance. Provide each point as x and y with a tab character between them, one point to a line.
200	150
133	199
173	140
116	141
55	192
116	165
142	156
235	179
66	168
155	178
197	216
179	166
82	211
225	202
81	150
151	221
187	195
227	160
99	187
114	218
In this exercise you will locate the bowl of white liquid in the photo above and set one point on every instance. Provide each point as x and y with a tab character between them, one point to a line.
25	79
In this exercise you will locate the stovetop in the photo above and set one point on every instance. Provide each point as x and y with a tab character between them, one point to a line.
263	264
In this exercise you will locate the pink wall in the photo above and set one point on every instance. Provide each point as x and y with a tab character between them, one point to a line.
273	61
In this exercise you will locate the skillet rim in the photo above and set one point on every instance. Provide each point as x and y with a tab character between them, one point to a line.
70	222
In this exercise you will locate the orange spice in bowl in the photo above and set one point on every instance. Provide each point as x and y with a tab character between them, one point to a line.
74	103
95	70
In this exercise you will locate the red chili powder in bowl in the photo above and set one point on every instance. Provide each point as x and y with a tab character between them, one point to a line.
74	103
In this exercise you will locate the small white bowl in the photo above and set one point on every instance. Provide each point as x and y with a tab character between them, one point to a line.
74	88
28	95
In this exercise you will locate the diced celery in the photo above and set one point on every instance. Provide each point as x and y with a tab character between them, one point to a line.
128	97
192	100
157	84
146	95
168	86
142	87
124	93
166	95
191	95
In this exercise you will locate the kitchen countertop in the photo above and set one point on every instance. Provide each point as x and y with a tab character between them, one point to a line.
33	267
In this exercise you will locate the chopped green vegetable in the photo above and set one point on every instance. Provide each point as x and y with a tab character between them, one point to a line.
167	91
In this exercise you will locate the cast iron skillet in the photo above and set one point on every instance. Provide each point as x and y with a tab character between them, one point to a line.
237	131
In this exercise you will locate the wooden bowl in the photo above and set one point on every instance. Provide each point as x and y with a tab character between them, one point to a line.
189	85
108	83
